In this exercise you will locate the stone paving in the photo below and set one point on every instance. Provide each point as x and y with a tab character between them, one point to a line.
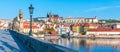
8	43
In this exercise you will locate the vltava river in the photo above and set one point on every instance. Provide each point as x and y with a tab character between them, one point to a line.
89	45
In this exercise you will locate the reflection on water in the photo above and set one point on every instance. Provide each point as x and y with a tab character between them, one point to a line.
89	45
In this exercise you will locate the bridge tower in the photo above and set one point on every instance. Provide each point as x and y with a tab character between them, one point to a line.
20	21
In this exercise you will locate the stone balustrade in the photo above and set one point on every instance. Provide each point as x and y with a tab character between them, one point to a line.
37	45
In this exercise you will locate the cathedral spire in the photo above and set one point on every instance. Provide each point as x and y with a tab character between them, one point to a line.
47	15
50	14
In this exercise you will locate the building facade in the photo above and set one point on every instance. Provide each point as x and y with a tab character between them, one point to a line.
54	18
80	20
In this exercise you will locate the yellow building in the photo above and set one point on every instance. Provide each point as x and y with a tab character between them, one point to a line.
76	28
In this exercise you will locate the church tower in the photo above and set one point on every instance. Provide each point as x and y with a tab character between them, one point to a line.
20	14
49	14
20	21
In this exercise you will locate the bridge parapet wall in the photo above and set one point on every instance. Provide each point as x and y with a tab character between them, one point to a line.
37	45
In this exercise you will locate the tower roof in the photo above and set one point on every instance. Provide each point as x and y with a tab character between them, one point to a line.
20	11
20	14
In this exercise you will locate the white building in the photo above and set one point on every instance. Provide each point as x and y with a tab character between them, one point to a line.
4	23
80	20
104	31
117	25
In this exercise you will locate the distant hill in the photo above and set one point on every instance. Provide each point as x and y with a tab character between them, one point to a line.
110	21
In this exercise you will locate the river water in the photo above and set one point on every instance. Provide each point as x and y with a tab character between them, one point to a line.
89	45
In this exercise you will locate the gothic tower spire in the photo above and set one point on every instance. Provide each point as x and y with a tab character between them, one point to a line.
20	20
20	14
50	14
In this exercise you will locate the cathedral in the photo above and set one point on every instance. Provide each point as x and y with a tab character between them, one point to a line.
54	18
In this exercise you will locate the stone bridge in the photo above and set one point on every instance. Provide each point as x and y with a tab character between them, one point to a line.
12	41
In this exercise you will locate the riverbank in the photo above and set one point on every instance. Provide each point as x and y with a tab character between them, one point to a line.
52	36
105	37
88	44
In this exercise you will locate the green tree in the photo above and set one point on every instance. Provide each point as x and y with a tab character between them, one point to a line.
42	32
51	29
82	30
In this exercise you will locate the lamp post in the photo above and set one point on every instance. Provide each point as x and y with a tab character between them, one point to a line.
31	8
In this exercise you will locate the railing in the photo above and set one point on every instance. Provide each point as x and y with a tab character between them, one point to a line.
37	45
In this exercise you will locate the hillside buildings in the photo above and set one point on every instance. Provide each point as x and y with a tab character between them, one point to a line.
53	18
56	25
111	29
41	20
4	23
52	21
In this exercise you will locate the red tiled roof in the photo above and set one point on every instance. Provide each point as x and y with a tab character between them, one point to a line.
94	24
1	26
53	32
77	24
27	23
105	29
86	24
82	24
66	25
28	26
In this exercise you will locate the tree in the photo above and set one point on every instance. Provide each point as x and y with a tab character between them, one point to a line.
42	32
82	30
51	29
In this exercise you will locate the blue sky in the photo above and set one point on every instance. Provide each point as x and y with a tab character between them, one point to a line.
104	9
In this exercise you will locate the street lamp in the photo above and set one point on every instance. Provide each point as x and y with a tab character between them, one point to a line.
31	8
